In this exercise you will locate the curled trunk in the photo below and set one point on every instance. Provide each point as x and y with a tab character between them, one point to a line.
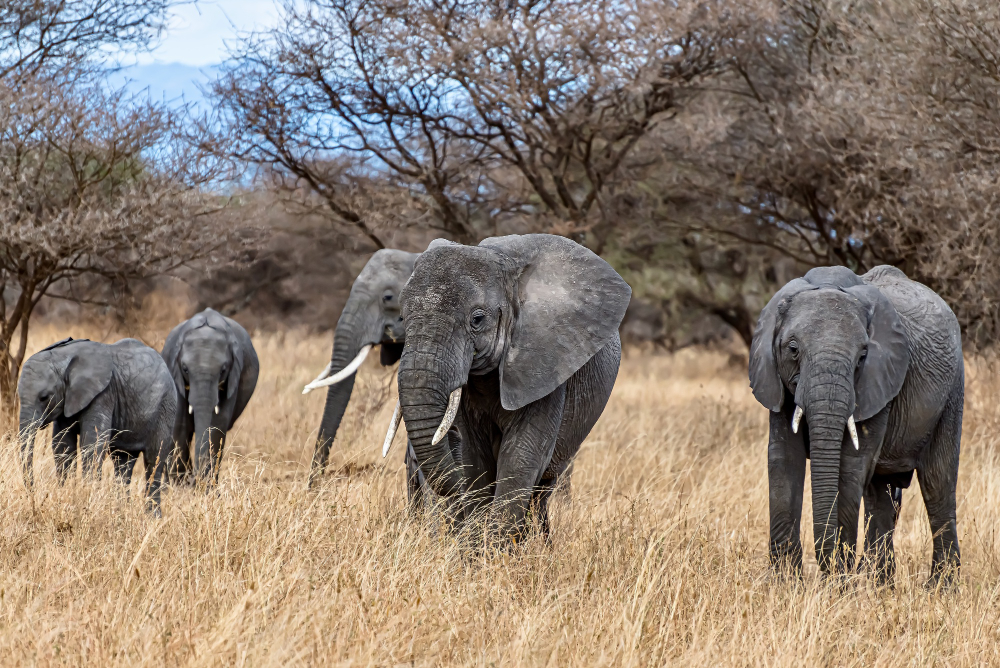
423	396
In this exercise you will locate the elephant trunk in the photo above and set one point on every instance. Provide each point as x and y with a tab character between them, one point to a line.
203	402
351	335
829	402
425	385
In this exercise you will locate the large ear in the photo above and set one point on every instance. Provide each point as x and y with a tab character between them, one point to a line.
87	374
884	369
764	379
570	303
237	345
171	352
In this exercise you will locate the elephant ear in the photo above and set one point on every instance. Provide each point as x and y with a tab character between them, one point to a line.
884	368
171	352
87	374
570	303
237	348
764	379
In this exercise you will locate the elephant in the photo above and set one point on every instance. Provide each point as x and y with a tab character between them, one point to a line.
214	368
879	355
511	352
116	399
370	317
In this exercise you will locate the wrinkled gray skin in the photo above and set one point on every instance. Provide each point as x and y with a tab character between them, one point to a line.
370	316
888	351
213	364
114	399
528	326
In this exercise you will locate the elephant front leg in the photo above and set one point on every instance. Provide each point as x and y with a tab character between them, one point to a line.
786	472
525	452
65	433
882	504
95	435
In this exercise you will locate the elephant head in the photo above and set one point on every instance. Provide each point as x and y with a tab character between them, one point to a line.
532	308
835	346
370	317
207	358
59	380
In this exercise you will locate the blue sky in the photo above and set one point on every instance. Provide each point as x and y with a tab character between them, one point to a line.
193	43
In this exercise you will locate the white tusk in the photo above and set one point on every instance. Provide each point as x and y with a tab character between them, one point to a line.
190	409
340	375
853	429
216	409
449	416
391	434
796	419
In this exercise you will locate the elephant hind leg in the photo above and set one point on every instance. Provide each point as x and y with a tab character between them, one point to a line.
882	504
540	504
938	475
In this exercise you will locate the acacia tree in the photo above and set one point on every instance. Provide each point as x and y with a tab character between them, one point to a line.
483	113
93	182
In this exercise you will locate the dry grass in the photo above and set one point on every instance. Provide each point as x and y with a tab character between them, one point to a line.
660	556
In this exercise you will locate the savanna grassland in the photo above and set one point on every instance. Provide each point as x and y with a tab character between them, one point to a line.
658	557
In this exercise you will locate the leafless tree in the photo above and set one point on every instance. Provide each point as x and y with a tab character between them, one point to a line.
93	182
480	112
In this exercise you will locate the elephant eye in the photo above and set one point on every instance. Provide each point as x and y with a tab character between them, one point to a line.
43	398
793	347
387	298
477	317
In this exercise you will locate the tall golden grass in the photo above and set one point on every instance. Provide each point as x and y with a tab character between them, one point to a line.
659	556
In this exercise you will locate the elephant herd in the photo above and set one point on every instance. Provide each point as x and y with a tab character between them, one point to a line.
508	352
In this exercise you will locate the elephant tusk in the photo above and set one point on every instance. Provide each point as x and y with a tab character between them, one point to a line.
853	429
216	409
796	419
190	409
322	374
391	434
340	375
449	416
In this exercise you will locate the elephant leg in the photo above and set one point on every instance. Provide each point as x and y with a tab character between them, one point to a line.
124	463
540	503
181	468
882	504
65	433
525	452
217	440
786	473
156	457
938	475
95	437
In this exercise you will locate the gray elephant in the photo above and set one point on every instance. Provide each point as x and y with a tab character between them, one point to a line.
511	353
370	317
864	376
214	368
114	399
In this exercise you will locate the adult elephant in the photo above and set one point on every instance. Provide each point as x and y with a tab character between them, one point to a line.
516	341
214	367
101	399
370	317
864	376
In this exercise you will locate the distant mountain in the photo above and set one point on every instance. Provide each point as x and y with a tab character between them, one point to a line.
170	82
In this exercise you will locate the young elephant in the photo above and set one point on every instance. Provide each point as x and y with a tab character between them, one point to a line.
370	317
214	367
863	376
115	398
515	341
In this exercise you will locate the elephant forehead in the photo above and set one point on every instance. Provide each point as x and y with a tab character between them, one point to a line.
826	308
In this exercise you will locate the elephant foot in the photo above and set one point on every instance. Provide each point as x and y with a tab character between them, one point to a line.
944	579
